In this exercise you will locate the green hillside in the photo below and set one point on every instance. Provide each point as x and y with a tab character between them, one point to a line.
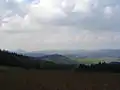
88	60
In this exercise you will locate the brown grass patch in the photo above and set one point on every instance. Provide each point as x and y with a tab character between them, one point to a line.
58	80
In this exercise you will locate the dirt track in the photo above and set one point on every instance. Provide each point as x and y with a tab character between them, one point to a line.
58	80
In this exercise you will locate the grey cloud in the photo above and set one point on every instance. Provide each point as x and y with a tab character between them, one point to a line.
96	20
9	8
18	31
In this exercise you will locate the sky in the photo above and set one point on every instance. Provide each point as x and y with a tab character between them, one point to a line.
59	24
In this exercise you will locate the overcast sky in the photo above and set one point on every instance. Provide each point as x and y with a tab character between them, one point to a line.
59	24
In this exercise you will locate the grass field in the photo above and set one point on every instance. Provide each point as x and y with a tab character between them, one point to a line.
88	60
58	80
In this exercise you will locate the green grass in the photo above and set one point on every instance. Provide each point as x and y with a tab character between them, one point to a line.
88	60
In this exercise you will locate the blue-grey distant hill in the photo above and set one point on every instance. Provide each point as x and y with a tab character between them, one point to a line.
58	59
113	53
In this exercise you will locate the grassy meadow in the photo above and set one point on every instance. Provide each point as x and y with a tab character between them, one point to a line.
88	60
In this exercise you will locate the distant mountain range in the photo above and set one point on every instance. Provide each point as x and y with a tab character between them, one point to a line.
96	54
113	53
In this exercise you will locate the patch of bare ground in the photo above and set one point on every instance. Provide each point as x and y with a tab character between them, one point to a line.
58	80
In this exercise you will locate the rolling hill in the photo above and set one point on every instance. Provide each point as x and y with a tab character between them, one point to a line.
58	59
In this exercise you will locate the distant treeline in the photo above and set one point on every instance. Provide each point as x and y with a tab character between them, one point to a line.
15	60
100	67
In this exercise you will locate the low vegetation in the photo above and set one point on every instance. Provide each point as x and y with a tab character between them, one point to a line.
58	80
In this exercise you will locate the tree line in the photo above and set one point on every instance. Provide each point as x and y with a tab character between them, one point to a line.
100	67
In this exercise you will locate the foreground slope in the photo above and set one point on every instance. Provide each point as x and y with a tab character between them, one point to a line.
58	80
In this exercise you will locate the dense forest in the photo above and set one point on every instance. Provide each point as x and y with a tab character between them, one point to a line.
15	60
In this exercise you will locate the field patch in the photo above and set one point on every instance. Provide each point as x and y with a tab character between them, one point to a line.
88	60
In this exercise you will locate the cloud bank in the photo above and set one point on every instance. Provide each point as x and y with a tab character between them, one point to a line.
59	24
